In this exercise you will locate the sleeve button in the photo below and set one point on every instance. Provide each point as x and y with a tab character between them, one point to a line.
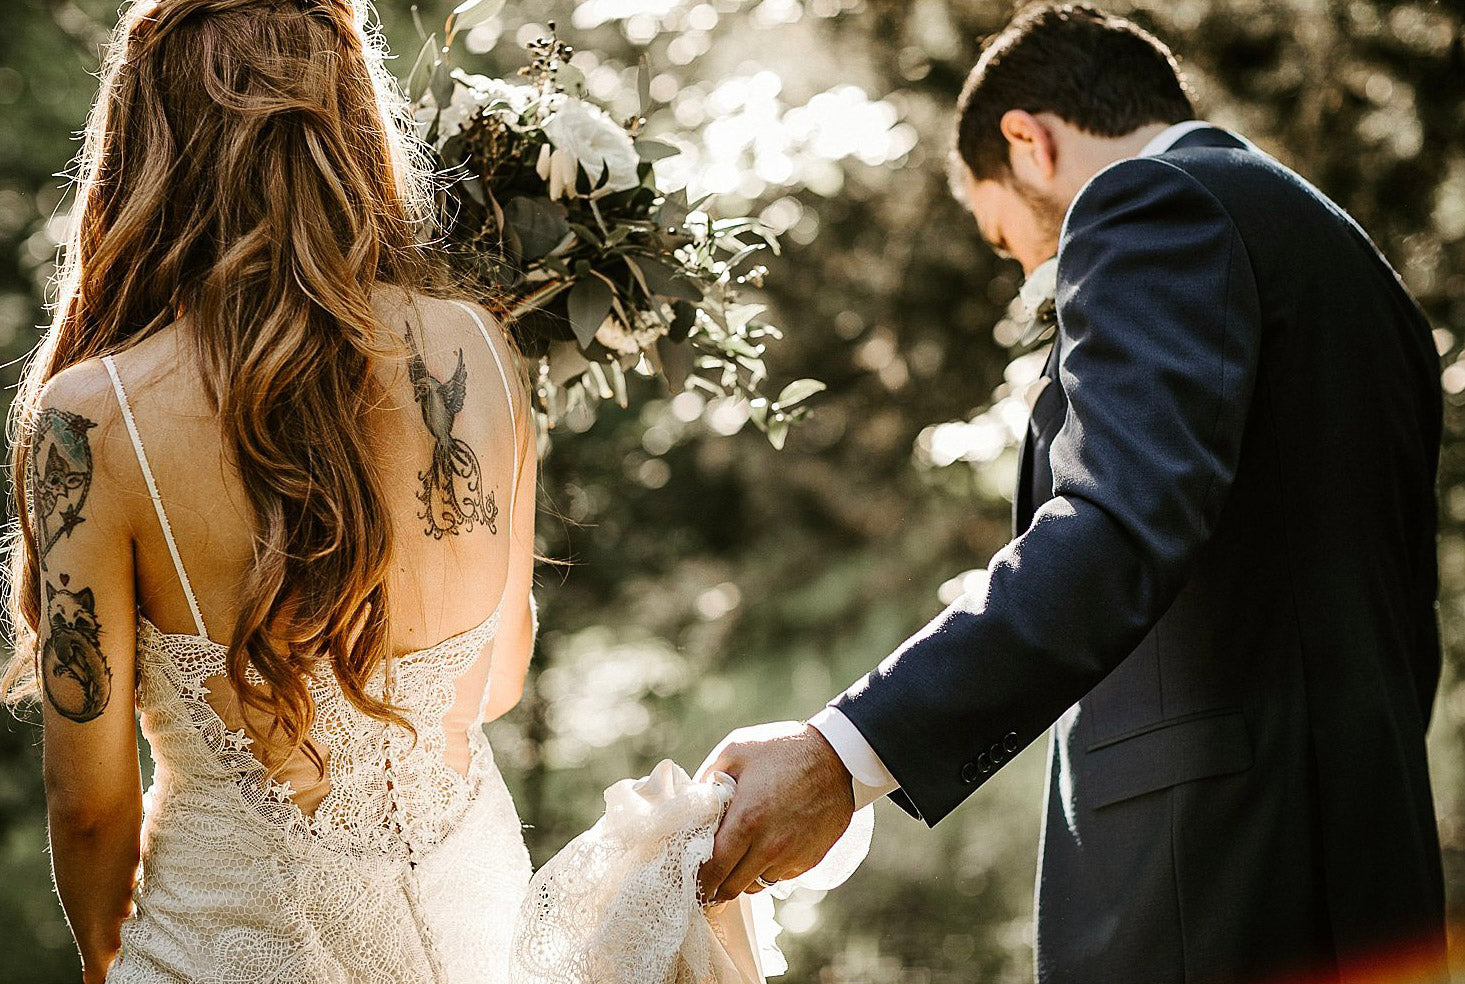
969	772
984	762
996	753
1011	743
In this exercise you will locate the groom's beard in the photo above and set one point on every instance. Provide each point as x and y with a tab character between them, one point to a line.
1048	211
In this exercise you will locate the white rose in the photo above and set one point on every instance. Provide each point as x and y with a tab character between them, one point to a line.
592	139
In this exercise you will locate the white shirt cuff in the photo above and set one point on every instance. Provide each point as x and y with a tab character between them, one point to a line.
871	779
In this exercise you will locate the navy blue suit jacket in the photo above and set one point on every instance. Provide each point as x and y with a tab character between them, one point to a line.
1222	590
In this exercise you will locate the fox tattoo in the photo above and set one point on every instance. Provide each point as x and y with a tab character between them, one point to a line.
78	681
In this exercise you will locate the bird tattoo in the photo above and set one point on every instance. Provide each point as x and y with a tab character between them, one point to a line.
452	495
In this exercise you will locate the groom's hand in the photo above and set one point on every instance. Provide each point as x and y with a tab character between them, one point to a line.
794	799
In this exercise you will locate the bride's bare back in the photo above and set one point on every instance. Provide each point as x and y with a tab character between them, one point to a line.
377	852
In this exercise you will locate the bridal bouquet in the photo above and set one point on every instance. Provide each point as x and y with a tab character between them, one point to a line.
552	207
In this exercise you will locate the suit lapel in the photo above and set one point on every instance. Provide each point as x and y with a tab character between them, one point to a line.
1023	499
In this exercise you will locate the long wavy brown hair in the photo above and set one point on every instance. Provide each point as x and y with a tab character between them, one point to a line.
252	163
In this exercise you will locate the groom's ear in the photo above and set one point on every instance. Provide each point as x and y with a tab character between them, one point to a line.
1030	147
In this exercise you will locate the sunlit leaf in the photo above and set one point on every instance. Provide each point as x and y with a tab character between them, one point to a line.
421	74
470	13
798	391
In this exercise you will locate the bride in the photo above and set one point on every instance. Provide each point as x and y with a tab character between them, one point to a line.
278	495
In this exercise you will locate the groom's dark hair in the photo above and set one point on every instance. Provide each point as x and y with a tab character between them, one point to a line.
1095	71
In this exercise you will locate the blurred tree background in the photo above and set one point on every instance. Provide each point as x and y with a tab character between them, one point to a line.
714	582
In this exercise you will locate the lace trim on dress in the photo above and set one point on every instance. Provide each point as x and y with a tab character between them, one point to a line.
351	818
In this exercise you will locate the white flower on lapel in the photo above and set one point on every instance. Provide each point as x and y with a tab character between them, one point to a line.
589	137
1039	296
1041	286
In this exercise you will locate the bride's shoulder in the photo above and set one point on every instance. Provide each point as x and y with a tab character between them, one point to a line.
79	408
430	307
84	390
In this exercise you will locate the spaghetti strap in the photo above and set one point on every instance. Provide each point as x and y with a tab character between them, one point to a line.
508	397
147	474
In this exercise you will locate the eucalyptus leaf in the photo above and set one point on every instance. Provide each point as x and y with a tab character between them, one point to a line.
442	84
539	223
655	150
798	391
571	79
643	83
421	73
470	13
589	303
662	279
674	210
586	234
474	187
684	317
636	272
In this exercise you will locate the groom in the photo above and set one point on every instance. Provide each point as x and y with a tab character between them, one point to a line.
1222	587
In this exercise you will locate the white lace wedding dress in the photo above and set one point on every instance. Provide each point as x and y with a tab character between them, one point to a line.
408	872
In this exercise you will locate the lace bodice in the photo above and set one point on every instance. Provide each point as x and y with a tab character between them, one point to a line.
387	793
407	871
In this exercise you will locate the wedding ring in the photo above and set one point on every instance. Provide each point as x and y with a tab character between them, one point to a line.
766	884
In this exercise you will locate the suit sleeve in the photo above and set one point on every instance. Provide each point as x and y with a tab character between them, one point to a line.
1159	330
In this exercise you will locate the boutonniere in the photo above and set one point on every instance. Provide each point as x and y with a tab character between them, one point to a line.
1039	296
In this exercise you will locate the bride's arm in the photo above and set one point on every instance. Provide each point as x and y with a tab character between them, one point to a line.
86	641
514	643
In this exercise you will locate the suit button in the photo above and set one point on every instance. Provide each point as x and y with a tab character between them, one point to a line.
996	753
984	763
969	772
1010	743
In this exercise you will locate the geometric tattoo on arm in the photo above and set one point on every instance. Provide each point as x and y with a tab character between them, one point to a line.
77	679
446	506
58	474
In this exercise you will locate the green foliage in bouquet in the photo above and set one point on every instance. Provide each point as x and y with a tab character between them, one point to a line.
552	207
